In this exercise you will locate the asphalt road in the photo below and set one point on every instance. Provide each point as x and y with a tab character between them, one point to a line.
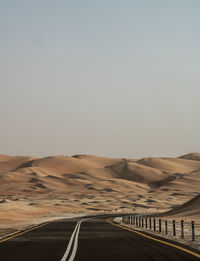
93	239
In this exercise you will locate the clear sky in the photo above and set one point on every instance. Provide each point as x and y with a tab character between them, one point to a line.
111	78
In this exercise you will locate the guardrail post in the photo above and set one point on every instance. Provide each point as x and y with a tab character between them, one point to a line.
160	228
182	228
174	227
150	223
193	233
166	230
154	224
146	222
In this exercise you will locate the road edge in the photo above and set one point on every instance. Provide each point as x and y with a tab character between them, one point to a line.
155	239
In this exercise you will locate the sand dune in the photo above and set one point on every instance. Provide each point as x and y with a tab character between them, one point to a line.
66	164
54	185
180	165
191	156
189	209
11	163
135	172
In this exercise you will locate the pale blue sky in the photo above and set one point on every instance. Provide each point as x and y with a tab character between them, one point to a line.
111	78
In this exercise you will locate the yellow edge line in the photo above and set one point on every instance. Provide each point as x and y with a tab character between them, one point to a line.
155	239
23	232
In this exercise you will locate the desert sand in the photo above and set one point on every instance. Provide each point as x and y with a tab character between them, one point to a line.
32	189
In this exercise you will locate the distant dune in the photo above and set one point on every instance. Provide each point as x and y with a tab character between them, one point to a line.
35	187
11	163
170	164
191	156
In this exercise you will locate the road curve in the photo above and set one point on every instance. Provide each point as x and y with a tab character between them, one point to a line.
92	239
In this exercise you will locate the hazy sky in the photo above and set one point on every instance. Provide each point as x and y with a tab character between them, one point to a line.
111	78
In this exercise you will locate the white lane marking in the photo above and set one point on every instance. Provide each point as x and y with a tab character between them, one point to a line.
70	243
75	244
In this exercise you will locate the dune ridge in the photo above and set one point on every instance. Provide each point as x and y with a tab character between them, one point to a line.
190	209
33	187
191	156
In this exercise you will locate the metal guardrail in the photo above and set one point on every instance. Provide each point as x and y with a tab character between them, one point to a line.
189	230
